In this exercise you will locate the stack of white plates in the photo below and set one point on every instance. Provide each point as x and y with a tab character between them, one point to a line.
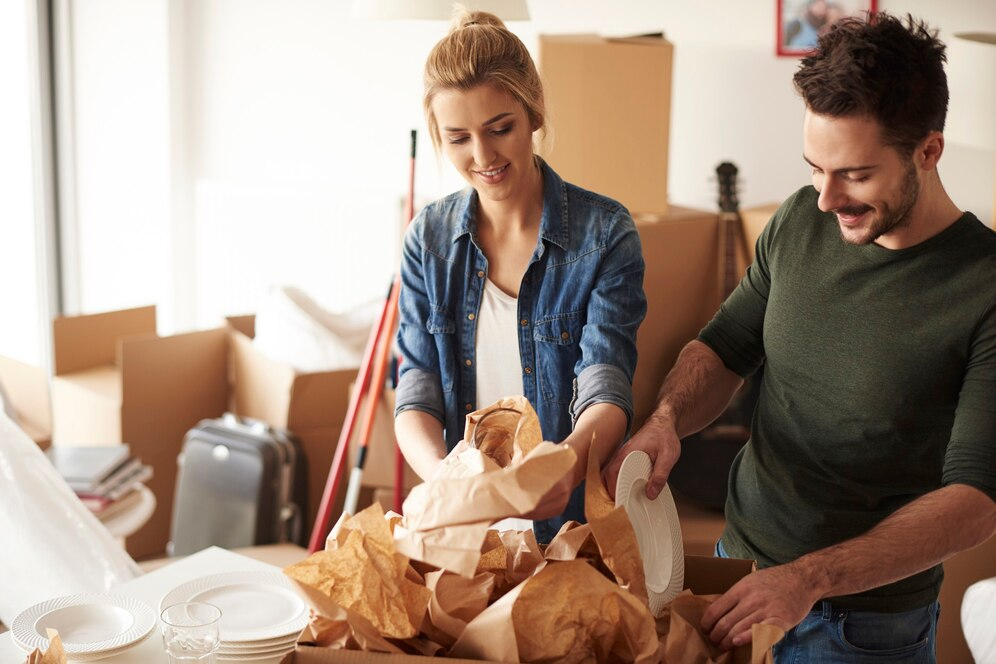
261	613
658	533
91	627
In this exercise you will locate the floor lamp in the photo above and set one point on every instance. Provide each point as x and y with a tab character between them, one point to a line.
972	85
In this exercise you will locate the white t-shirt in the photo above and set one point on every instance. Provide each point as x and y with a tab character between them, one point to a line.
499	368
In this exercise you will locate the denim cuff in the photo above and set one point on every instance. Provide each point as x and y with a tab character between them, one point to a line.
419	390
603	383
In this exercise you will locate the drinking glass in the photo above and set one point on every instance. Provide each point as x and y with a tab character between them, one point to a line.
190	632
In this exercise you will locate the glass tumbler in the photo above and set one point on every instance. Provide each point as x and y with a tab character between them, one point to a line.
190	632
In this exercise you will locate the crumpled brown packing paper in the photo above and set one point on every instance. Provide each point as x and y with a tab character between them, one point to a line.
490	495
686	643
455	601
365	575
447	519
569	610
55	654
506	431
614	534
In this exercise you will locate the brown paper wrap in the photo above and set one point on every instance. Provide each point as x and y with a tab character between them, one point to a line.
366	576
446	520
55	654
685	642
506	431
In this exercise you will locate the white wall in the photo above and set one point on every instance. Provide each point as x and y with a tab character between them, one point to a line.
21	290
292	121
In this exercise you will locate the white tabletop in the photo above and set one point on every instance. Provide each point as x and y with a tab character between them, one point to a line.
150	588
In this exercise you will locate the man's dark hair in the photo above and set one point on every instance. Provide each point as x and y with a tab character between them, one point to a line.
881	68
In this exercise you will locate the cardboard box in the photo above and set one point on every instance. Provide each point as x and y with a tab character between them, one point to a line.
681	280
311	405
755	219
27	388
608	114
116	382
703	576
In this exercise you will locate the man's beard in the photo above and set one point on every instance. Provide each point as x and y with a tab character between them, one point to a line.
889	218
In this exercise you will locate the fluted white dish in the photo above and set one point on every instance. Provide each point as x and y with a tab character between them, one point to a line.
658	532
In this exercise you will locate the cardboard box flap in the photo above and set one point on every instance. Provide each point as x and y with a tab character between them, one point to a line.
261	386
319	399
705	575
244	324
82	342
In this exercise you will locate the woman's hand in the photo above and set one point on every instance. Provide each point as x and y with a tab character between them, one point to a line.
554	501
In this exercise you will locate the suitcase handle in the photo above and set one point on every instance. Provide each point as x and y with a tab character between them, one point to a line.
257	427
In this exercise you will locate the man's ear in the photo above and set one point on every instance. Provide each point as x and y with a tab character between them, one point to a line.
929	152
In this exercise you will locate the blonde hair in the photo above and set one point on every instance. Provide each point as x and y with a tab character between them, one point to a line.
480	50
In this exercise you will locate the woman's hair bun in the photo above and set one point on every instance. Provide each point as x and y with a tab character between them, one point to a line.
464	18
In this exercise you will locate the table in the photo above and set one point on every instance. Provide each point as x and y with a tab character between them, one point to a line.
150	588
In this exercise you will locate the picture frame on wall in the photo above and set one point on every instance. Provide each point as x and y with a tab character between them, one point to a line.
801	22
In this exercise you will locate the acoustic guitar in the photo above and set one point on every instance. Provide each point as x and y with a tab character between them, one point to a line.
703	469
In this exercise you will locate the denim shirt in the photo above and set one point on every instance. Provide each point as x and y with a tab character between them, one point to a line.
580	303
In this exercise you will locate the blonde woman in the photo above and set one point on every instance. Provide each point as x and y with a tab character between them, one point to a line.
521	284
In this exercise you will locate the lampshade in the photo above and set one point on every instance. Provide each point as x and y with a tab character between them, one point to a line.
439	10
972	87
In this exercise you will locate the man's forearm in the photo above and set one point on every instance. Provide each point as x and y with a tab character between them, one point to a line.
696	390
918	536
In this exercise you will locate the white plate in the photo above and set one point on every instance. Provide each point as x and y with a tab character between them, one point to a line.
90	626
658	532
242	647
255	606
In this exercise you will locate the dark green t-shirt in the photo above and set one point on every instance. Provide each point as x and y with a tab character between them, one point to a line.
879	385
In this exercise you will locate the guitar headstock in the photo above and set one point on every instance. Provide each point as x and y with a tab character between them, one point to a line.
726	172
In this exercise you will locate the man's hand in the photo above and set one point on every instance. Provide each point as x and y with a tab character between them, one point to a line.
658	438
780	595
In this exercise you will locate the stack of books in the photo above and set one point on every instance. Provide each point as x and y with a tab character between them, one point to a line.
106	478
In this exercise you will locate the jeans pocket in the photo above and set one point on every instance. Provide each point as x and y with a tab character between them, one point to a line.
897	637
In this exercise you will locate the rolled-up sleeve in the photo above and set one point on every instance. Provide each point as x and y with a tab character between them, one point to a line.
616	307
419	385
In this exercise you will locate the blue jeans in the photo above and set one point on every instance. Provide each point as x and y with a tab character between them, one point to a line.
832	635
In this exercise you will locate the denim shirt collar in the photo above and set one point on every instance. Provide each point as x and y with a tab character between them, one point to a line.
554	225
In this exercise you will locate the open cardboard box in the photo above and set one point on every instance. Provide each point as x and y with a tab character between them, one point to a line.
117	382
703	576
27	388
311	405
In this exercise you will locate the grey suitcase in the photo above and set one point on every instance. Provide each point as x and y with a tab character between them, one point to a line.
239	483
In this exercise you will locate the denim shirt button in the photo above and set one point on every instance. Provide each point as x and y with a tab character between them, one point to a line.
480	273
470	316
565	335
524	321
528	370
468	406
468	362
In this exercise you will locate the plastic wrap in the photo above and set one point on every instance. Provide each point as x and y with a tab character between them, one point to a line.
50	543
